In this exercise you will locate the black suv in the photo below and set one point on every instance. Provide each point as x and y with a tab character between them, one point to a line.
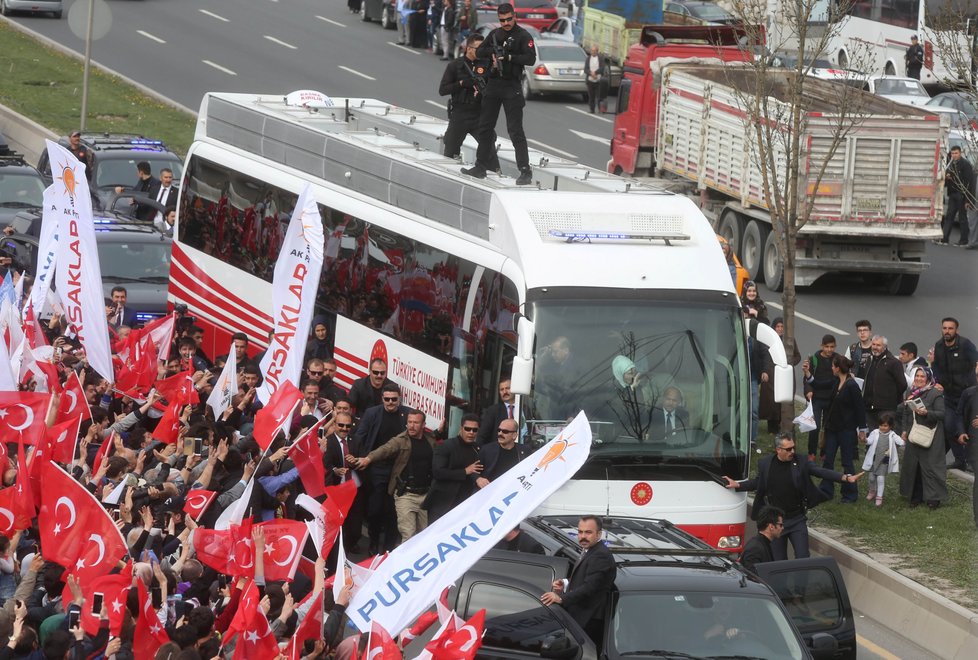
21	187
671	595
115	156
133	255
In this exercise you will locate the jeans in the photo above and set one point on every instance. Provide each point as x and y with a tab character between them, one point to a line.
955	212
796	530
845	442
818	409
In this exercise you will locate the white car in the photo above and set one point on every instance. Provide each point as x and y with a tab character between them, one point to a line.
907	91
818	68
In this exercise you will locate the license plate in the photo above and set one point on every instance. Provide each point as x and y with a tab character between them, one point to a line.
569	72
536	15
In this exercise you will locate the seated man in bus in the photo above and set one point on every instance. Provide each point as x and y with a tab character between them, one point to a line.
669	419
556	380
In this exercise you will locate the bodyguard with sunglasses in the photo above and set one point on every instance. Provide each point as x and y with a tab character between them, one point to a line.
787	484
455	469
498	457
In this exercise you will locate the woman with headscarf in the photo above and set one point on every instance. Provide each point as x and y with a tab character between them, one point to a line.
632	386
320	345
923	472
754	307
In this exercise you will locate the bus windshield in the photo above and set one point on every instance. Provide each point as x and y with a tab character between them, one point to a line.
659	381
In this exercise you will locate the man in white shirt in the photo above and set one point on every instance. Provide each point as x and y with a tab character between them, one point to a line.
165	195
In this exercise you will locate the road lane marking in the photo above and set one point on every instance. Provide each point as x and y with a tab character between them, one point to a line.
213	15
280	42
585	112
355	72
436	104
413	51
219	68
330	21
150	36
875	648
547	147
805	317
588	136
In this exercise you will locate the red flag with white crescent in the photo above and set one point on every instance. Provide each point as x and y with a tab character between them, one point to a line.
276	413
22	416
62	439
73	401
284	541
197	501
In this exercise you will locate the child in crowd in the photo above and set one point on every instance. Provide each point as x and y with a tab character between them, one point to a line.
881	456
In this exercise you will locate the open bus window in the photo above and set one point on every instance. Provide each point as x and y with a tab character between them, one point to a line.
657	380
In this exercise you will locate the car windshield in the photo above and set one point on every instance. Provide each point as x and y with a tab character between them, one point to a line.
558	54
902	87
661	383
130	261
20	190
710	12
122	171
703	625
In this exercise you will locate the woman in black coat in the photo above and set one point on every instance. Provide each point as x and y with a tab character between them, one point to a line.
845	425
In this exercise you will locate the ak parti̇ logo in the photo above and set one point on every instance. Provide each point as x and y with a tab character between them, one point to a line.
68	179
556	452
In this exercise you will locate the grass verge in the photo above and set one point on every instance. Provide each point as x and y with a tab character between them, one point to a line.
938	549
46	85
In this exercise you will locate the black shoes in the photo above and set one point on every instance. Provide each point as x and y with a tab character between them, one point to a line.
475	171
525	178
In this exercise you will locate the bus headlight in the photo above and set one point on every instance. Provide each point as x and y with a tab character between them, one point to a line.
728	542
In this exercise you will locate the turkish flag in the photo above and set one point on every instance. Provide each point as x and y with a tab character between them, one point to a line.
75	530
463	643
308	459
149	635
284	540
381	645
241	560
310	627
276	413
255	639
160	332
104	450
197	501
178	389
420	627
168	428
17	502
62	439
115	590
22	415
73	401
339	499
213	547
32	329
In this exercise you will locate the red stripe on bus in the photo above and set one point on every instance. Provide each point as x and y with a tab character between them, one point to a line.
214	287
355	360
233	315
228	320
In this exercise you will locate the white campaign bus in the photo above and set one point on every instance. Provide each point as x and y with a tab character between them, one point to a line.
576	287
872	36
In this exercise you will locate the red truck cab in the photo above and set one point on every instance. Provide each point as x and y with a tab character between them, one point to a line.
633	139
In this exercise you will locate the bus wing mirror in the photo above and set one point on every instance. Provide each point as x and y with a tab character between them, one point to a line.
521	378
784	384
783	373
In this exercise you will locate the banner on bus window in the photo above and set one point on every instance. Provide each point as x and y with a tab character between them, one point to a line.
423	379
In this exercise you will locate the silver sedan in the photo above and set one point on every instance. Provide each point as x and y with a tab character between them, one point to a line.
559	69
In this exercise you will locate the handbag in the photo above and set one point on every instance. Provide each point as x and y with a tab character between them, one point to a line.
922	436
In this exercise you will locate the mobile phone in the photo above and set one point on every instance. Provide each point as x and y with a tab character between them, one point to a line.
188	446
222	581
115	514
198	446
157	595
74	618
97	599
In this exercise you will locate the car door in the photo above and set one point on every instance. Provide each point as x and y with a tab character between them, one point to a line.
815	596
517	624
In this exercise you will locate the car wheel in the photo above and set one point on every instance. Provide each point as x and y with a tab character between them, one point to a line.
3	8
56	14
525	86
385	18
363	11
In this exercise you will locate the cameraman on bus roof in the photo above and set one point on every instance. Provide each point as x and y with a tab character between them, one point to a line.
509	48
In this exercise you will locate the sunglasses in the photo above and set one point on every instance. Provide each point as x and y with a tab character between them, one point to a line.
391	399
470	429
505	431
507	20
344	426
379	373
314	373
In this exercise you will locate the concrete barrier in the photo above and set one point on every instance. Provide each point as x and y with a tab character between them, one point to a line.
24	135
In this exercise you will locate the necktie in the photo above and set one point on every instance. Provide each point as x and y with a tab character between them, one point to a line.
670	424
509	411
345	452
118	318
162	195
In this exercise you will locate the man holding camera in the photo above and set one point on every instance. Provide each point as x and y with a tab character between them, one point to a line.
465	81
509	48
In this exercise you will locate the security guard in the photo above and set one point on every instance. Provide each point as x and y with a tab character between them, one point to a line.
465	81
509	48
914	58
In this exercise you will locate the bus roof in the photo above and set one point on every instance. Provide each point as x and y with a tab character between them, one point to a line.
586	228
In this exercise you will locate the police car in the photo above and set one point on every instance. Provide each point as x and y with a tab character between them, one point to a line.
674	597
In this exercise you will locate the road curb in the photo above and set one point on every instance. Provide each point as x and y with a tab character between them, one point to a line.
915	612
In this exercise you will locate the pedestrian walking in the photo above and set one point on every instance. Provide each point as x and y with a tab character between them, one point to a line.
923	476
784	480
509	48
882	457
959	180
594	71
844	421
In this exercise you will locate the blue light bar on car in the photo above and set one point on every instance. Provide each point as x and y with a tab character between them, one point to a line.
151	143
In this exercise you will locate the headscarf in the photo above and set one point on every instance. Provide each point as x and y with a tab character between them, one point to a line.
912	392
619	367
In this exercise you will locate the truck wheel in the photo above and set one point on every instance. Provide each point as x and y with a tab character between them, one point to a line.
903	285
731	227
773	265
752	250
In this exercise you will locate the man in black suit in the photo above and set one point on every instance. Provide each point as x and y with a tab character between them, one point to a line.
165	195
516	541
378	425
585	593
367	391
787	484
121	315
497	412
669	419
770	522
145	182
338	459
498	457
455	469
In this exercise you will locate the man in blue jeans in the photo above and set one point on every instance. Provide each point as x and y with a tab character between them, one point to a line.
784	480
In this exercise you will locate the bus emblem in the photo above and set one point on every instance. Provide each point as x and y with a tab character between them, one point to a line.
641	493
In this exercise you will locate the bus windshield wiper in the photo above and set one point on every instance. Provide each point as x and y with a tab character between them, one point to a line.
710	473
